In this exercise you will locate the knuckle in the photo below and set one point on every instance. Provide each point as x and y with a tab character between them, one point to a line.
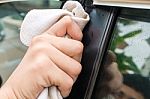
37	39
38	65
78	68
76	71
67	20
38	45
69	83
80	36
65	89
79	47
38	50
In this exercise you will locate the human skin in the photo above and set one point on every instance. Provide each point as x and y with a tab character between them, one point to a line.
51	60
126	92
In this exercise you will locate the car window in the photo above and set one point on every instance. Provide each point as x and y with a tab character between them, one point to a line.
11	16
126	66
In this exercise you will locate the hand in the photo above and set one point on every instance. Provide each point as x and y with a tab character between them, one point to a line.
111	78
49	61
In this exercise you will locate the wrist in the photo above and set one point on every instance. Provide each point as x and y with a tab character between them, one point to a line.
7	93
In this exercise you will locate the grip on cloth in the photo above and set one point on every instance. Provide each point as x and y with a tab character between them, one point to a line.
38	21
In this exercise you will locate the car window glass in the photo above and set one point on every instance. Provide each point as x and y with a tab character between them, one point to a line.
11	16
126	67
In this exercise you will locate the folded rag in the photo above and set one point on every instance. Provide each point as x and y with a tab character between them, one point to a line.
38	21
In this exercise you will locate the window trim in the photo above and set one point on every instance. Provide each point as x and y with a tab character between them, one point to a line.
95	39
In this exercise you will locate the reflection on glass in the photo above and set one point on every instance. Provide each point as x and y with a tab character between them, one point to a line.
11	16
127	67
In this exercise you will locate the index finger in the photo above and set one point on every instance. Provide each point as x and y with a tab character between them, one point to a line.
66	26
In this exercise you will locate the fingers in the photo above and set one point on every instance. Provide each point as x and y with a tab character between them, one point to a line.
51	75
116	80
64	53
72	48
64	62
66	26
59	78
110	58
48	62
62	69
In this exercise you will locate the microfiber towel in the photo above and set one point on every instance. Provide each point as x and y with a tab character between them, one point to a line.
37	21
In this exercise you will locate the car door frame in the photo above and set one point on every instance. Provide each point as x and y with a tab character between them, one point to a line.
95	39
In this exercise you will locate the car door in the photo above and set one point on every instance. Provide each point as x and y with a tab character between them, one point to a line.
95	39
100	35
123	32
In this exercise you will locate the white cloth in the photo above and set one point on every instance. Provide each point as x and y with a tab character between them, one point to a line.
37	21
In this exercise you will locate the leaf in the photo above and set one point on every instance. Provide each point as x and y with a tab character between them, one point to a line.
126	63
126	21
132	34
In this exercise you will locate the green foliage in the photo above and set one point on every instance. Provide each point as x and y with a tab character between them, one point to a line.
124	62
126	21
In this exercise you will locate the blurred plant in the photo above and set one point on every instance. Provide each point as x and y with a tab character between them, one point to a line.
125	63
